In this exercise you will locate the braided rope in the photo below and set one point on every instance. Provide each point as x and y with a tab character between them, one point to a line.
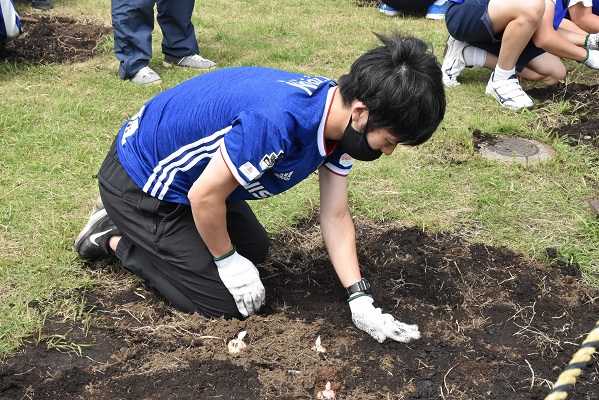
566	380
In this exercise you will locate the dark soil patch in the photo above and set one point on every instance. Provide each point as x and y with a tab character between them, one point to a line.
495	325
50	40
583	128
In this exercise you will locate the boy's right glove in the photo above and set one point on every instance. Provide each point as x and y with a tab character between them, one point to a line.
378	325
242	279
592	41
592	60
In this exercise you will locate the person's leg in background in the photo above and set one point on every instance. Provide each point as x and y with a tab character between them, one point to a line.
516	22
179	42
503	28
133	23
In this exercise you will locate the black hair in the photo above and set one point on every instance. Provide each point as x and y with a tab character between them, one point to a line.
401	84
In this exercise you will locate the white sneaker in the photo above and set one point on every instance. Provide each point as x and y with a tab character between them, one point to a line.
194	61
453	61
509	93
145	76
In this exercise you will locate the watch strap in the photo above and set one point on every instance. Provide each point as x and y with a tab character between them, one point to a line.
360	286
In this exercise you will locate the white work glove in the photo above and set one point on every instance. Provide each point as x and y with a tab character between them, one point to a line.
592	41
242	279
378	325
592	60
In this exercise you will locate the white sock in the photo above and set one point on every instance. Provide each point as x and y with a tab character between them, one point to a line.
475	57
440	2
502	74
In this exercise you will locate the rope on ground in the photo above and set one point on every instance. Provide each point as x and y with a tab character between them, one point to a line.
566	380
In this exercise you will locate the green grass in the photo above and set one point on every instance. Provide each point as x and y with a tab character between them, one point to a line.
57	122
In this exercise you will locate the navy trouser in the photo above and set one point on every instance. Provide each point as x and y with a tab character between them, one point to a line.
133	23
161	243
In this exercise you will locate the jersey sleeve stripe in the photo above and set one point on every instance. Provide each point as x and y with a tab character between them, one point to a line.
231	166
336	170
182	160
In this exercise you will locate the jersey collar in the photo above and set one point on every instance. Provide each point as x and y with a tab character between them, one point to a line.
326	147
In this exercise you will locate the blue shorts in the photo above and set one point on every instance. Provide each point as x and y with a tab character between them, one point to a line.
469	22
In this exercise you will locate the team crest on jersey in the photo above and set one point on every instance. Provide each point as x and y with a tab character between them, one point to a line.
284	175
346	160
268	161
249	171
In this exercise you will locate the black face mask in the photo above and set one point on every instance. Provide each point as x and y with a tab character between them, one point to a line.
355	144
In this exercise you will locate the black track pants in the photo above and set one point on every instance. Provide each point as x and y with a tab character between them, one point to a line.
161	244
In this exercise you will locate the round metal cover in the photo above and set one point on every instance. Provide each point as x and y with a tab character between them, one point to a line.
514	147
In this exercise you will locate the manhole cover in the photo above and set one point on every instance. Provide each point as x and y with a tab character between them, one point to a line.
514	147
506	148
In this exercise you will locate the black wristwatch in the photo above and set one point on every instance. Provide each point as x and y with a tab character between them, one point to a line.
361	286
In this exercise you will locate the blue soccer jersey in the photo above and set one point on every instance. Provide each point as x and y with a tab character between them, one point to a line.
267	124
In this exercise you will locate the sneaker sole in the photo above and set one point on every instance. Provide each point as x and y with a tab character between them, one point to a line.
91	224
169	65
391	13
435	16
156	82
490	92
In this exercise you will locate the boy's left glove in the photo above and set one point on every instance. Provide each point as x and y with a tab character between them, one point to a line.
378	325
592	41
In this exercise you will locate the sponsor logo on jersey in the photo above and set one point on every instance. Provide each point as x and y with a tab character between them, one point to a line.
346	160
284	175
257	190
307	83
268	161
249	171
